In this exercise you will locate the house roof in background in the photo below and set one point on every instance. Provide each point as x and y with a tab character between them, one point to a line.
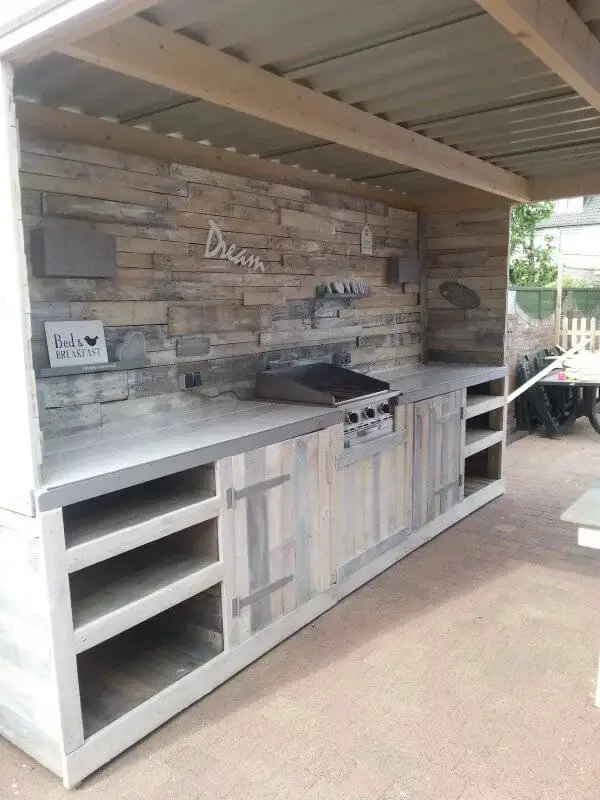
590	215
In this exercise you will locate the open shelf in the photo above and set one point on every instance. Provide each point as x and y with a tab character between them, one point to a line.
474	485
121	592
106	526
482	403
482	469
485	397
478	439
132	668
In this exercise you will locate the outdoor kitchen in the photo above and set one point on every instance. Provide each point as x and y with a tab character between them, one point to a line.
228	447
245	382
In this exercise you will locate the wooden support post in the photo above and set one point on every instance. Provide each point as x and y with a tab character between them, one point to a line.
19	427
558	307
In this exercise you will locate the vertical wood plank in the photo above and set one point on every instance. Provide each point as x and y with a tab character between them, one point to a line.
407	473
19	426
275	501
63	660
418	477
258	539
314	533
325	491
227	552
242	571
301	521
288	564
431	457
445	456
370	533
564	334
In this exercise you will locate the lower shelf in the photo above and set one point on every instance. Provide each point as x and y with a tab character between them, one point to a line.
120	674
478	439
474	485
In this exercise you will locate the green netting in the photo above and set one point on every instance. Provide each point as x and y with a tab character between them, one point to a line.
536	302
581	302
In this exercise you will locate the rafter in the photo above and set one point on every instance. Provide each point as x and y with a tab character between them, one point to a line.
556	34
53	123
143	50
60	23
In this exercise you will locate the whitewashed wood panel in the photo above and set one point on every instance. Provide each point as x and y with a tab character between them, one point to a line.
438	456
373	507
281	530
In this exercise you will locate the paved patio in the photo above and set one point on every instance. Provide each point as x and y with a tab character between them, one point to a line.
465	672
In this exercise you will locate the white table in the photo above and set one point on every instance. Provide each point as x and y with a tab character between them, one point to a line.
585	513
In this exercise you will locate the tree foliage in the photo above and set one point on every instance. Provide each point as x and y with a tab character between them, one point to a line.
531	263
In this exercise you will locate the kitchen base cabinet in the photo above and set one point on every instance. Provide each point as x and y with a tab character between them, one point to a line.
439	443
374	497
277	529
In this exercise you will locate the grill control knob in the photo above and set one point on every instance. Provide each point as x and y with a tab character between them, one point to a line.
368	413
351	418
384	408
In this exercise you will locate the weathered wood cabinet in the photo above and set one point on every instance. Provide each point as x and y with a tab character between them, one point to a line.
439	443
374	497
277	529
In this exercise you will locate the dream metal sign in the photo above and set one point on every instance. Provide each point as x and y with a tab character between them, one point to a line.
460	295
217	247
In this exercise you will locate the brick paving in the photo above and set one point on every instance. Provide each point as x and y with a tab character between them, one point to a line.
465	672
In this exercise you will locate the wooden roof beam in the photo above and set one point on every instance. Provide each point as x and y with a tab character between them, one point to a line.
63	23
554	187
142	50
554	32
38	120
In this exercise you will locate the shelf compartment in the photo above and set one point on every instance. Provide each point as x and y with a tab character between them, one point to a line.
106	526
483	469
482	404
121	674
478	439
474	485
114	595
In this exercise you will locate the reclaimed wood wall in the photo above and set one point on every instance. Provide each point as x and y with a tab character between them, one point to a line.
471	248
202	314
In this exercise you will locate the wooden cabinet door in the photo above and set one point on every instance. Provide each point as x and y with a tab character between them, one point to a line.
375	499
438	456
278	508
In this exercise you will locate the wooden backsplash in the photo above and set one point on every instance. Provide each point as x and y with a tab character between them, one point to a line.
471	248
207	315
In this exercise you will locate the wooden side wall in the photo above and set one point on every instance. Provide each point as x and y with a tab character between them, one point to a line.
19	427
203	314
29	714
471	248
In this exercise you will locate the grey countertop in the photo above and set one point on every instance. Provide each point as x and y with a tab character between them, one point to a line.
420	381
92	464
585	512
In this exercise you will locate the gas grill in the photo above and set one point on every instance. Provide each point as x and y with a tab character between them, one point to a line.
368	403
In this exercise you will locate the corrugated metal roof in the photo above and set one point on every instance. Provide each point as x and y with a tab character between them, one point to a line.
443	68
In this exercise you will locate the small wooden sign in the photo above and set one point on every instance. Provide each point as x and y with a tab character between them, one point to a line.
366	241
72	344
460	295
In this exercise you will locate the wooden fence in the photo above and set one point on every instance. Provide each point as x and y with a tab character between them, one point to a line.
572	331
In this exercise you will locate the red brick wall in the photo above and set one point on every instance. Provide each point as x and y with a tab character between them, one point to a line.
525	335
